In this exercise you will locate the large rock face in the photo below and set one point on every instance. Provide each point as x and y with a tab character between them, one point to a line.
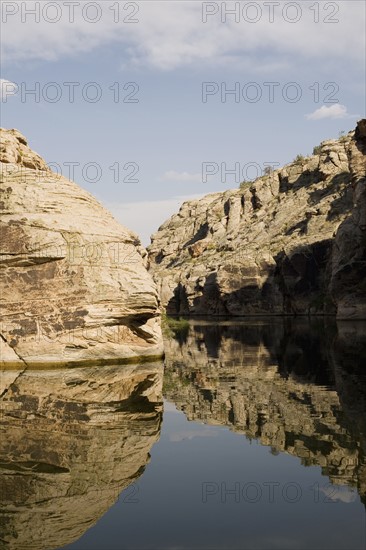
295	387
348	283
268	247
71	441
74	286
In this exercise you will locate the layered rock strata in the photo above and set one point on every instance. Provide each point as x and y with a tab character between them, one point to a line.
71	441
291	242
74	286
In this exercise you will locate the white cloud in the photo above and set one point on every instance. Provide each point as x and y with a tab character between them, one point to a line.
341	493
145	217
7	89
169	35
172	175
182	435
333	111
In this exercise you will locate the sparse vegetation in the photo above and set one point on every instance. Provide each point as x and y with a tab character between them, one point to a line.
342	136
316	150
268	170
245	184
174	327
299	158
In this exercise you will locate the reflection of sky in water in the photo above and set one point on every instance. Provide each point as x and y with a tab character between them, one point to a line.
171	512
197	429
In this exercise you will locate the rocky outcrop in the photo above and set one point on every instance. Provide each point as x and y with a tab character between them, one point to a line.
71	441
348	283
269	247
297	388
74	285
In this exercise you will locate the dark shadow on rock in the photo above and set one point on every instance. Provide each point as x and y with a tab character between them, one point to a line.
301	227
210	301
201	234
305	179
295	285
178	304
344	202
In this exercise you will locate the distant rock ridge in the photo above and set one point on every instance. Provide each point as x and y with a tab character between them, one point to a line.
74	284
291	242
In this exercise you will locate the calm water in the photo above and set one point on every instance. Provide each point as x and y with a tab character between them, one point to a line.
254	437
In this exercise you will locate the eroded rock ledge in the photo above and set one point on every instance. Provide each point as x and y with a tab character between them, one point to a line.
74	285
291	242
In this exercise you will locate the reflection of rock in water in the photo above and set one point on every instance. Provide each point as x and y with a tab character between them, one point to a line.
287	384
348	356
71	441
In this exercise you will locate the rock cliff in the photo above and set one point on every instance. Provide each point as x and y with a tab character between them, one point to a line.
74	285
348	269
291	242
295	387
71	441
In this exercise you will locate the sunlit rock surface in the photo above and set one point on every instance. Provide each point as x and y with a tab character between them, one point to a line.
286	384
70	442
293	241
73	282
348	283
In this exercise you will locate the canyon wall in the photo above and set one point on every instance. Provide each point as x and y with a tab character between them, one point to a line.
291	242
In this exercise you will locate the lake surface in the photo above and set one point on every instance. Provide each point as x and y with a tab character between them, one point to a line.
253	436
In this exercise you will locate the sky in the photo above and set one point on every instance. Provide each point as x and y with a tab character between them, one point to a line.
147	104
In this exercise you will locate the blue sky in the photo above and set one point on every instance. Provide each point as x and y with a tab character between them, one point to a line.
157	145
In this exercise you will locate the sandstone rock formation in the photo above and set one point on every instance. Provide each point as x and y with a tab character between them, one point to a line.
348	282
74	285
269	246
297	388
71	441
